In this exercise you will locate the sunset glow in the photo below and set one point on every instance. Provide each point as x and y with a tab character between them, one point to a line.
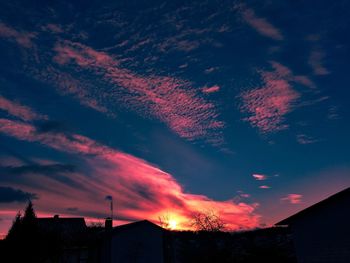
173	224
172	109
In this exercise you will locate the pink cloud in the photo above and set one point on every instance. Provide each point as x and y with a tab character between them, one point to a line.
243	194
261	25
260	177
65	84
304	80
316	62
285	73
268	105
23	39
264	187
171	100
292	198
18	110
142	189
210	70
211	89
53	28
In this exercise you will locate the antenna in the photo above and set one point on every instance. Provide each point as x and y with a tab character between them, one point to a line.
110	198
112	208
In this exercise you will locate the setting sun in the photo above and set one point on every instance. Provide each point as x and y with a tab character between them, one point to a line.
172	224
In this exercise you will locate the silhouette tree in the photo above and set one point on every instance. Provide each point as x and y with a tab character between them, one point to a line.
29	214
23	237
163	221
15	230
207	221
29	223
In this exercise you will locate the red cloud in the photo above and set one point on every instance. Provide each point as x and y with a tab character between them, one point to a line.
142	190
168	99
211	89
65	83
261	25
18	110
316	62
24	39
264	187
292	198
259	177
269	104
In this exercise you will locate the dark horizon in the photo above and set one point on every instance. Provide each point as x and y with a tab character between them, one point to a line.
173	108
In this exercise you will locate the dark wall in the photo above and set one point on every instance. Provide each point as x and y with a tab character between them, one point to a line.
324	235
139	244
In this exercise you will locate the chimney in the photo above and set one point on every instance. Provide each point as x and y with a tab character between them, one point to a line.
56	217
108	224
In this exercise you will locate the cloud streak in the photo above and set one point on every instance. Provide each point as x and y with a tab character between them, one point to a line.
316	61
168	99
142	189
211	89
261	25
292	198
19	111
305	139
23	39
259	177
269	104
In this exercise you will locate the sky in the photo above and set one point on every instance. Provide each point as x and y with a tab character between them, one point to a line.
173	108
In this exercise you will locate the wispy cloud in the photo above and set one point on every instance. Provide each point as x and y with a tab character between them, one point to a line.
53	28
269	104
210	70
211	89
292	198
316	61
259	177
261	25
305	139
22	38
66	84
19	111
168	99
333	113
264	187
142	189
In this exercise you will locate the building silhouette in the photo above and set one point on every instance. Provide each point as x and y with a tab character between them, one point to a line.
321	232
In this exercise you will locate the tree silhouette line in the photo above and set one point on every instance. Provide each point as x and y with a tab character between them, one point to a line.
26	242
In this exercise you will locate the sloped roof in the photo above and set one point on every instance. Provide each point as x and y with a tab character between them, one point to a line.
68	222
336	198
136	224
67	227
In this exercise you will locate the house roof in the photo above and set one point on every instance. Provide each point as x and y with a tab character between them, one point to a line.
136	224
65	225
336	198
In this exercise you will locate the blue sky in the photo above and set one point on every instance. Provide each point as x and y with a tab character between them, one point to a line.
173	107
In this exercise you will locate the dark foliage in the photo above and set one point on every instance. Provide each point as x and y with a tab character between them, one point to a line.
29	241
265	245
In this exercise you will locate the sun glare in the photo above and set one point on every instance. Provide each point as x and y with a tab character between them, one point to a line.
172	224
